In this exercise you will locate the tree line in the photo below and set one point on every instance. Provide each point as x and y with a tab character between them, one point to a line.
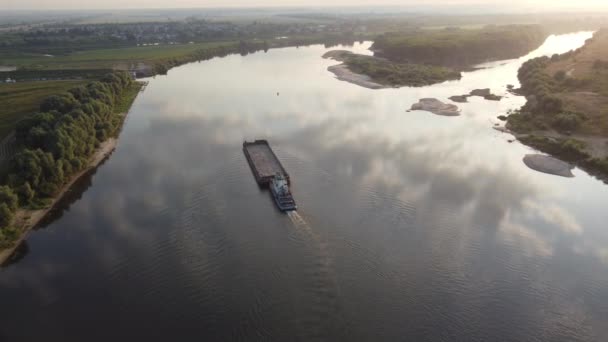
460	48
57	142
540	88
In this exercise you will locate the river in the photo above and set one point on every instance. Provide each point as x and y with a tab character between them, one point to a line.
411	226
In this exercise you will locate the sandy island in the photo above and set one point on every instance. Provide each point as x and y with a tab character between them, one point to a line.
485	93
548	164
343	73
436	107
28	219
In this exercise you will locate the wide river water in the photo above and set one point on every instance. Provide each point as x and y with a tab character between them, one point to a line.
412	226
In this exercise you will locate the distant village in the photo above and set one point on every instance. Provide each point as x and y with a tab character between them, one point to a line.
55	39
142	34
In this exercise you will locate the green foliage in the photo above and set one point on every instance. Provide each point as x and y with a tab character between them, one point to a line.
524	122
551	104
62	103
569	149
8	235
20	100
460	47
8	197
560	75
568	122
8	205
398	74
6	216
58	143
600	165
25	193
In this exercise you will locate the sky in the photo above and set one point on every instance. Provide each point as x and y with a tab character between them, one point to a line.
118	4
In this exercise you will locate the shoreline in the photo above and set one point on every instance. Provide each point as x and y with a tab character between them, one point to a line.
343	73
28	219
551	147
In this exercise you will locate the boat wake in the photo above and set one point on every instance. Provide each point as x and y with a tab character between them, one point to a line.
298	221
323	286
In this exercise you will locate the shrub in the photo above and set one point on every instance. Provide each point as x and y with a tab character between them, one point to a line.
8	197
53	145
26	193
551	104
560	75
6	216
573	149
567	121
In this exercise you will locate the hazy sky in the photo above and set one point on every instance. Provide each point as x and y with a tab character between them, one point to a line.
116	4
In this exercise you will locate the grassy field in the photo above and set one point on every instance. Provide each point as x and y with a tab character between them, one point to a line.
21	99
106	58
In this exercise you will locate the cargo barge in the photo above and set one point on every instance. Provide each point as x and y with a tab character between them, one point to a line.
269	172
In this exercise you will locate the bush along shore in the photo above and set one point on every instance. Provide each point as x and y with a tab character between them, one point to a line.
376	73
460	48
73	132
565	113
242	47
427	57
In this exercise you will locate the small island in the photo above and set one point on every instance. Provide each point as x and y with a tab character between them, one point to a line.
436	107
425	57
485	93
567	106
549	165
460	48
377	73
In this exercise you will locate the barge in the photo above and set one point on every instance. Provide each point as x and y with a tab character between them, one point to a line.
269	172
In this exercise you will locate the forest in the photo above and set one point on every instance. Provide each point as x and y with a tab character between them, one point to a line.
57	142
460	48
573	105
399	74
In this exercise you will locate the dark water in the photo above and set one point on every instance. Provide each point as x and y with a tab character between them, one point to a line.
413	227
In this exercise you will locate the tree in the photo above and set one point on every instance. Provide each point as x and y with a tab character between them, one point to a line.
6	216
8	197
551	104
567	121
62	103
58	142
560	75
26	193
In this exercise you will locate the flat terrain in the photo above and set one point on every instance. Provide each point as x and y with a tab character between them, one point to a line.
22	99
119	58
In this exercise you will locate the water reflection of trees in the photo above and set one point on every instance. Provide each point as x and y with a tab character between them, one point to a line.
74	194
19	254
